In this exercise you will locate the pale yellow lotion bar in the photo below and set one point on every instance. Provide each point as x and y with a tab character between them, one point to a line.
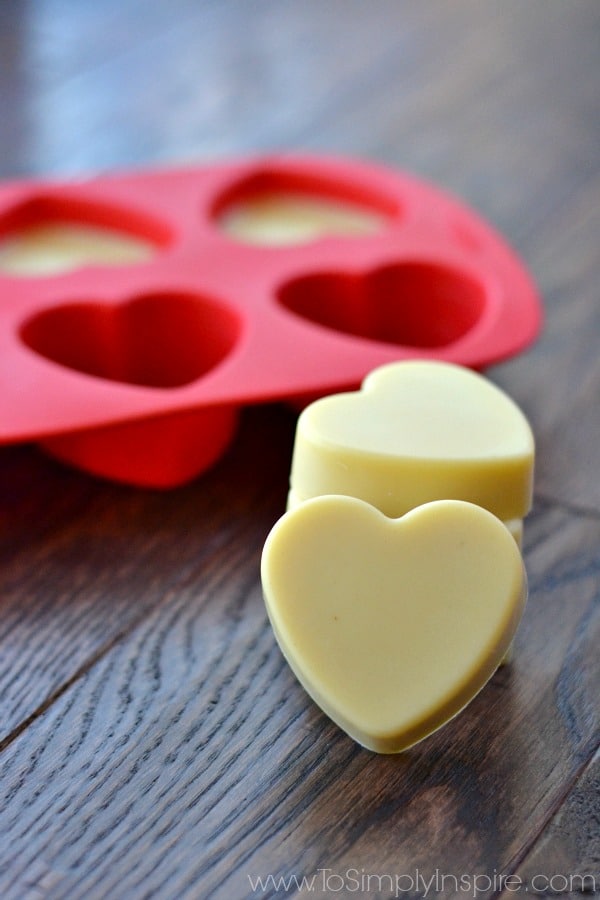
417	431
280	218
515	526
51	248
392	625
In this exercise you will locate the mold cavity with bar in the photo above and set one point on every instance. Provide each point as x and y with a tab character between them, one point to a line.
278	209
48	235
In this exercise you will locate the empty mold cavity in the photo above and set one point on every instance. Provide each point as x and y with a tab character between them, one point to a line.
48	235
159	341
282	208
410	304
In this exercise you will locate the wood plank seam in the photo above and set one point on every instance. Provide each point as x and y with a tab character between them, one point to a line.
519	858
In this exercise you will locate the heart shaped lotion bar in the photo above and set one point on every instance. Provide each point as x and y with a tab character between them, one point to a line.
278	219
392	625
50	249
417	431
515	526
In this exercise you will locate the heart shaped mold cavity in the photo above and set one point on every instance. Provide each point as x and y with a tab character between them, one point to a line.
158	341
48	235
412	304
276	208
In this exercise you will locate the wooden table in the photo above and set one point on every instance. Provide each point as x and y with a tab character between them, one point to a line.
153	742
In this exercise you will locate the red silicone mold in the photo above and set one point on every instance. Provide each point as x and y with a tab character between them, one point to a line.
136	372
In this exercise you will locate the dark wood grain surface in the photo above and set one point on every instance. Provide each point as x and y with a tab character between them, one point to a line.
153	743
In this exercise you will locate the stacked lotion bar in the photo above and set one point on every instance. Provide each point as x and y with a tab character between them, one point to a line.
394	583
